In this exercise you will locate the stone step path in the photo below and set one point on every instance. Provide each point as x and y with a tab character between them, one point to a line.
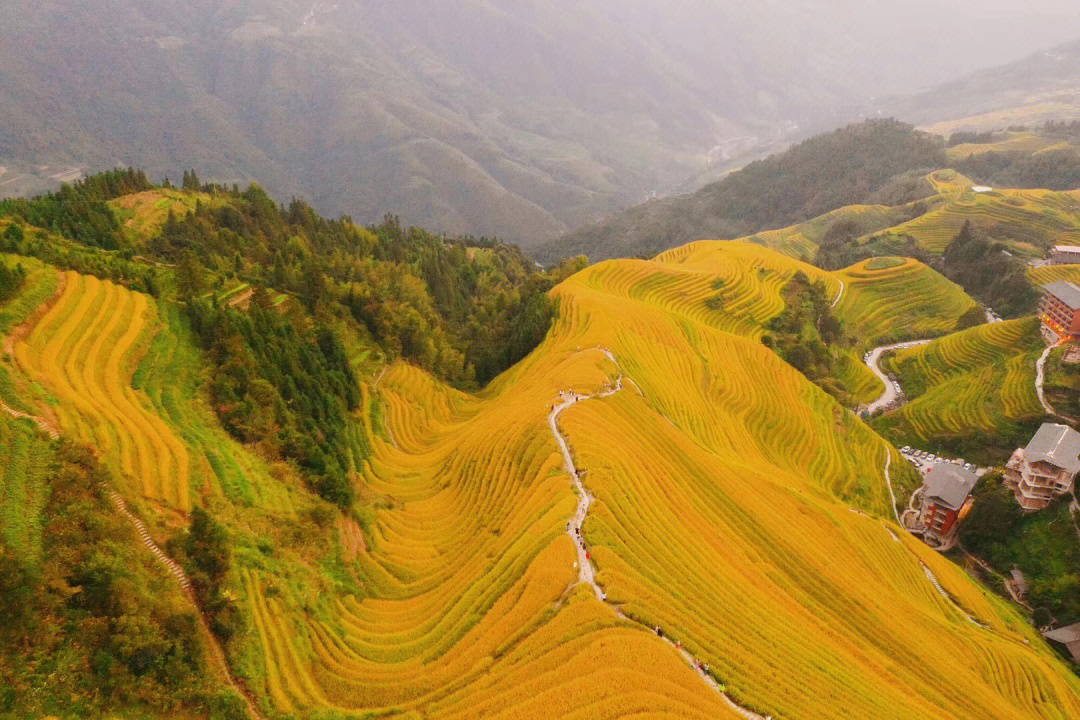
40	422
586	570
171	565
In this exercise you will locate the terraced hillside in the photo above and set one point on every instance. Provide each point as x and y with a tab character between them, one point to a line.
885	302
1030	221
83	351
972	390
733	500
802	240
1051	273
722	518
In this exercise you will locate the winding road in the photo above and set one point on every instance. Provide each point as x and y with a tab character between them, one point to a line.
889	396
586	570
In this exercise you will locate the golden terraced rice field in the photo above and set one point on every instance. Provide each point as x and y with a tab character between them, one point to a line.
979	380
736	506
1052	273
902	302
83	351
1030	219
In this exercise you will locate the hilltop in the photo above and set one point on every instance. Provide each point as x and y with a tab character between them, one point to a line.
875	162
629	516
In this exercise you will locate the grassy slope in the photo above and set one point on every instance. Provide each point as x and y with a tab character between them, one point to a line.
973	390
143	214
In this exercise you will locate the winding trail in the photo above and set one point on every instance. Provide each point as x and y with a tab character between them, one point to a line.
586	571
839	294
42	423
889	395
1040	374
171	565
888	483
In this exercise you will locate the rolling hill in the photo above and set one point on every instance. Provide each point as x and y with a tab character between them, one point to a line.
632	518
860	164
1029	91
510	118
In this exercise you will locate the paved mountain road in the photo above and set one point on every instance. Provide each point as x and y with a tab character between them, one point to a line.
890	394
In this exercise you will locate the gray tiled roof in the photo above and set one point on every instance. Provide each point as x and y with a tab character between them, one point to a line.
1064	635
949	484
1066	292
1056	444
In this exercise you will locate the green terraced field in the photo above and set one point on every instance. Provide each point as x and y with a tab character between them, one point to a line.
1030	221
901	302
973	390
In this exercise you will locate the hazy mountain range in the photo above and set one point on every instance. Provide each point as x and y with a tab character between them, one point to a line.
516	118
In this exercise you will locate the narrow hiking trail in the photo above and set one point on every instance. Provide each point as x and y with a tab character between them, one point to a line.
888	483
170	565
46	426
586	571
839	295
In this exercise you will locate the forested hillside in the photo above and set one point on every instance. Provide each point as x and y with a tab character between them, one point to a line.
875	162
290	306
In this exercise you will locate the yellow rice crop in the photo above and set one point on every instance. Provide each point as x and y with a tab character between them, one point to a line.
898	303
737	506
84	350
979	379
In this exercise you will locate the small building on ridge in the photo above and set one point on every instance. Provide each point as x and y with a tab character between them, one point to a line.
945	499
1046	468
1060	310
